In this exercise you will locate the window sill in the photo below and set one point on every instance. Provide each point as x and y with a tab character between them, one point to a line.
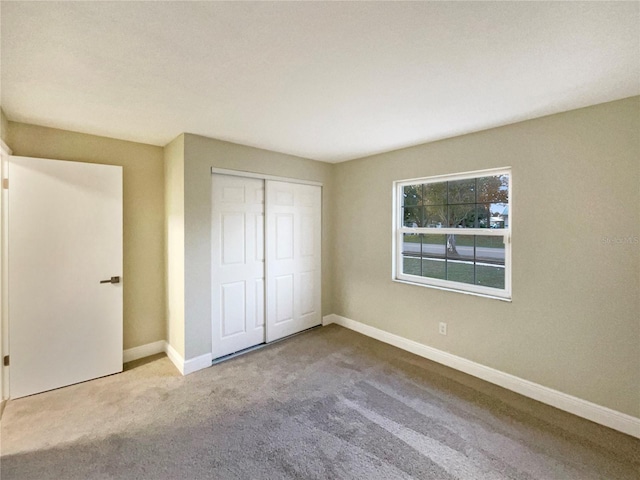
447	289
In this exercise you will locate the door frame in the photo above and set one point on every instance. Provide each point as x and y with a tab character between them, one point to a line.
5	153
265	178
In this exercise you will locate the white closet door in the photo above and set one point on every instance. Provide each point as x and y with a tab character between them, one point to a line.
237	262
293	258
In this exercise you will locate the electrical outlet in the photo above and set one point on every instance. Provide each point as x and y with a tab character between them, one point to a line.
442	328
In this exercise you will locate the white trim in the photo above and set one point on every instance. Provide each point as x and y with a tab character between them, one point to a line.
5	153
5	148
266	244
188	366
185	367
401	279
175	358
143	351
242	173
451	286
577	406
197	363
328	319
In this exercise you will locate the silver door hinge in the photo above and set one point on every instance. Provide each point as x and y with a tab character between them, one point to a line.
5	183
6	361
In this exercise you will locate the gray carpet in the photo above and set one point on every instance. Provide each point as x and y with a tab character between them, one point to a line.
327	404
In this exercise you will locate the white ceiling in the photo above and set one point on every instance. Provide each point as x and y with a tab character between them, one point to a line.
329	81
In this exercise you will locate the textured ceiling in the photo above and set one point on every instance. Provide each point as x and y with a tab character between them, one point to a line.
330	81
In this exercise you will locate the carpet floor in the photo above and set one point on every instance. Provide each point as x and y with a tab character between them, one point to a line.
326	404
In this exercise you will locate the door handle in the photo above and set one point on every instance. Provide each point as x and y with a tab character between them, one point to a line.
111	280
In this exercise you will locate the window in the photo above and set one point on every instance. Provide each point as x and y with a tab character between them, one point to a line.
454	232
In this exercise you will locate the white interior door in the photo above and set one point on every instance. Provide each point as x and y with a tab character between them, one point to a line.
237	262
65	237
293	258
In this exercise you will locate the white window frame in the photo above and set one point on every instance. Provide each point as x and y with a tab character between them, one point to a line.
399	230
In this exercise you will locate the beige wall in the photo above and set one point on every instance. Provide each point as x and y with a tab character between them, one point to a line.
174	237
574	322
143	276
201	154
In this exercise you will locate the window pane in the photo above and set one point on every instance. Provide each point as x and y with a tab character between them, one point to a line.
460	247
483	215
460	253
411	265
435	193
435	217
434	249
412	217
493	189
434	246
505	215
434	268
490	276
412	195
498	214
462	216
490	250
460	271
490	261
462	191
411	244
411	254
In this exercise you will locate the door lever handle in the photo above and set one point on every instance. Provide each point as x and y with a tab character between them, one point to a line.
111	280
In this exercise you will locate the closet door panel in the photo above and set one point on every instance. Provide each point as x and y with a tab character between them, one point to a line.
293	237
237	257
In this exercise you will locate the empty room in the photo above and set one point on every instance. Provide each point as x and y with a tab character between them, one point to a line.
320	240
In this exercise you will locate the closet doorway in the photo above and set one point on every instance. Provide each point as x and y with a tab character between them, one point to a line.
265	259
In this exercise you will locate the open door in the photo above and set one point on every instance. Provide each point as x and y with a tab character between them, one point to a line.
65	267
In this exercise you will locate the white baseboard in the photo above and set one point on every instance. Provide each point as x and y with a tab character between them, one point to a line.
184	366
197	363
175	358
582	408
328	319
144	351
